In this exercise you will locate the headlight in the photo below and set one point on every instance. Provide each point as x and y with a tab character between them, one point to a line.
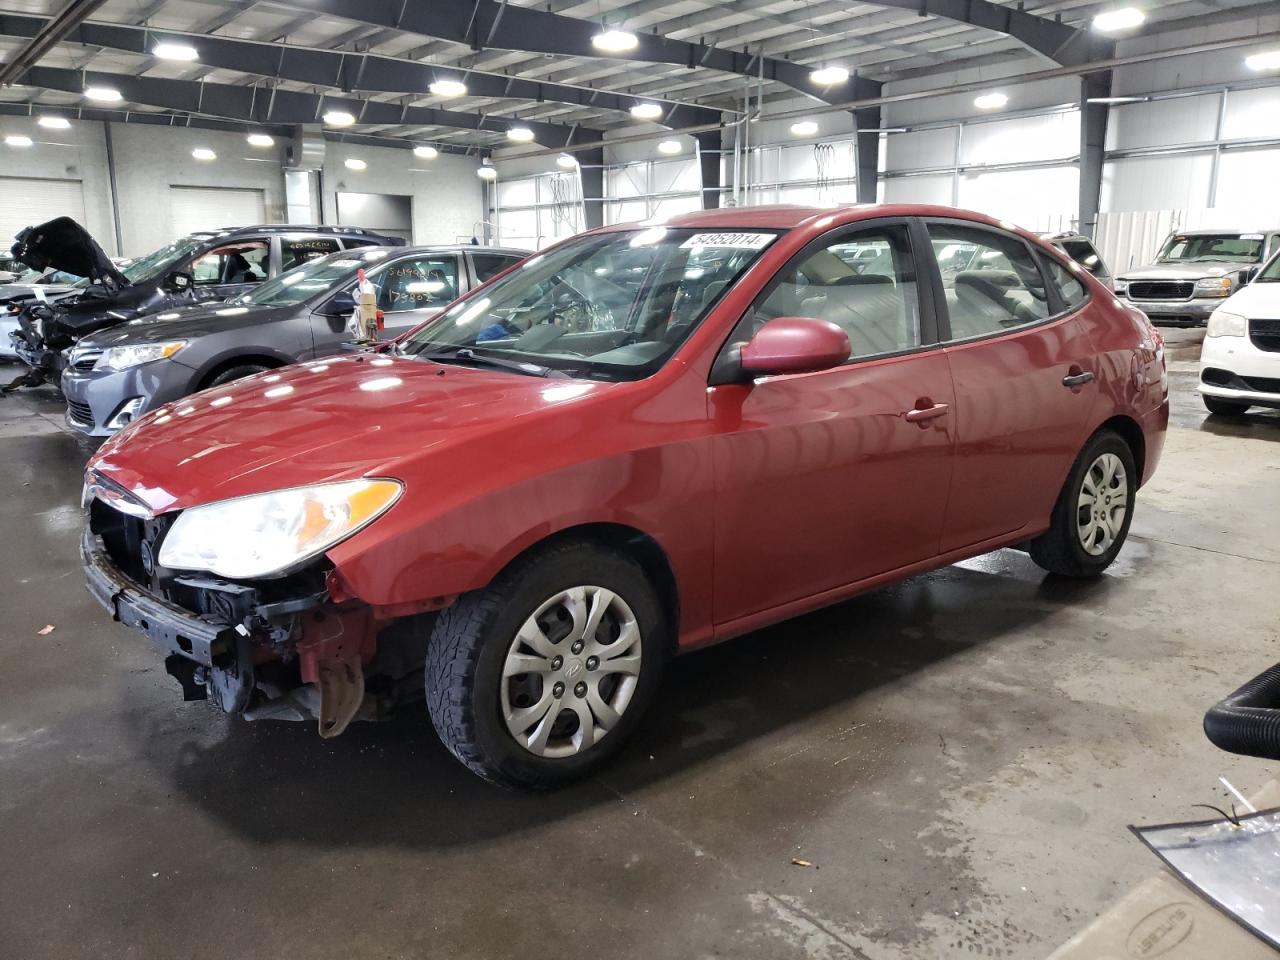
130	355
1121	287
268	533
1223	324
1214	287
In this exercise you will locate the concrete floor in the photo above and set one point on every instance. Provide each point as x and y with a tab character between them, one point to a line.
957	756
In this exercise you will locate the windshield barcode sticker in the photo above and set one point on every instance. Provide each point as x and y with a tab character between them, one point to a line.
740	241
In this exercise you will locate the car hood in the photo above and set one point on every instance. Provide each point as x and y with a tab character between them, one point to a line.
187	323
1184	271
64	245
322	421
1261	300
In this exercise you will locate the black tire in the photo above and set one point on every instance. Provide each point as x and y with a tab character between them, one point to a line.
1224	408
238	372
1060	549
469	646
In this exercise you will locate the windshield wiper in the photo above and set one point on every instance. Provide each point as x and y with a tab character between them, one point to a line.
469	356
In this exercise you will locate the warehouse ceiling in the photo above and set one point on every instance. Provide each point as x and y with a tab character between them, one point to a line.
375	59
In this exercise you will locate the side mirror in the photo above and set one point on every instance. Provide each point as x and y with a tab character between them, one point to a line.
341	305
179	282
794	345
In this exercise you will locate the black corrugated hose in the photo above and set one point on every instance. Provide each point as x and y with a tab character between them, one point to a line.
1248	721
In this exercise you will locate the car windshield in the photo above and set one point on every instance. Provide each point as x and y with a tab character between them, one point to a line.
1235	247
1271	272
148	267
608	306
312	278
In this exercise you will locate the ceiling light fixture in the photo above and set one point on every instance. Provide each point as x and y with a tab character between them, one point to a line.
520	135
339	118
487	173
567	161
804	128
50	122
103	94
168	50
426	153
261	140
1117	100
615	41
647	111
670	147
354	163
204	153
17	140
448	88
990	101
829	76
1270	60
1114	21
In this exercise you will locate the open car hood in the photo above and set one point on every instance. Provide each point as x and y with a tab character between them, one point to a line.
63	244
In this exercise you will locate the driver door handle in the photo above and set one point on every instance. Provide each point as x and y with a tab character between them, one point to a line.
1077	378
919	415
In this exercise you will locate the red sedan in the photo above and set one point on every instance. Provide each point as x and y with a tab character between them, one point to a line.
643	440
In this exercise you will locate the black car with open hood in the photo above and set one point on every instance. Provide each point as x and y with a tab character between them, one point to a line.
201	267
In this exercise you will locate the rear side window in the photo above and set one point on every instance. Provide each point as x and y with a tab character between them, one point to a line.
490	264
1072	290
295	251
990	279
235	263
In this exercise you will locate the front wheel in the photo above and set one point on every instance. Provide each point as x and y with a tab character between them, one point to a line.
1092	516
540	677
1223	408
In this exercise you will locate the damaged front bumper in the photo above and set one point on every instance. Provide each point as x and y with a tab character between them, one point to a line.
289	659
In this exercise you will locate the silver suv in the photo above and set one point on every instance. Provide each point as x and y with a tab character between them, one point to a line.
1195	271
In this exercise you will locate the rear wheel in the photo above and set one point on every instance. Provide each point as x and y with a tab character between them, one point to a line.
238	372
539	678
1223	408
1091	518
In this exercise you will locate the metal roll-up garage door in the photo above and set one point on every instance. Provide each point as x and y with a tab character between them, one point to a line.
29	201
208	208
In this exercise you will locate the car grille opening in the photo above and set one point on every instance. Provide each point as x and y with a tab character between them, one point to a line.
1263	384
1265	335
1161	289
81	413
84	359
1215	377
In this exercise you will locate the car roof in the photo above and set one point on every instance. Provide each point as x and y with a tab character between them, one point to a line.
788	217
1205	232
458	248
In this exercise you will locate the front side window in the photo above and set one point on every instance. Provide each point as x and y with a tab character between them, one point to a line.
610	306
235	263
1271	272
1000	286
864	283
1206	248
313	279
295	251
417	283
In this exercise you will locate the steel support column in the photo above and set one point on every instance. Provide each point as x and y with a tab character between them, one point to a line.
709	148
867	153
1093	137
591	170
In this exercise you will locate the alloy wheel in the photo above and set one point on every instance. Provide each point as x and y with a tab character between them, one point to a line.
571	671
1102	504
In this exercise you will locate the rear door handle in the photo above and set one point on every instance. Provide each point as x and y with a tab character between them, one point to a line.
928	413
1077	379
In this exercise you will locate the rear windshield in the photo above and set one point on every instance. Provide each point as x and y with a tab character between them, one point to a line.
1199	248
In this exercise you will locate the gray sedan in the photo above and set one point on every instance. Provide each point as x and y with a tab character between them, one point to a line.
113	377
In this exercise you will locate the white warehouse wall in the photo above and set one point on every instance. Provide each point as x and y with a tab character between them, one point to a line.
447	195
77	154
